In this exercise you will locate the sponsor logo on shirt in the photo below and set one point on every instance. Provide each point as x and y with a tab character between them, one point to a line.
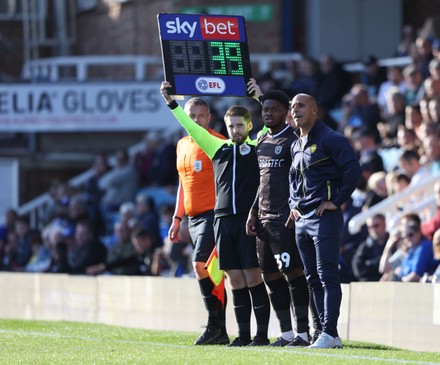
271	162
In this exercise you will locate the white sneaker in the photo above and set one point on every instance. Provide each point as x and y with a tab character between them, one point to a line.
324	341
338	343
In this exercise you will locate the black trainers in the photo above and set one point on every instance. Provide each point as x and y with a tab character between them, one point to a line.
298	342
280	342
238	342
222	340
209	336
259	341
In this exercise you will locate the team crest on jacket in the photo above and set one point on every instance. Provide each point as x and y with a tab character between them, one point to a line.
313	148
278	149
197	165
244	149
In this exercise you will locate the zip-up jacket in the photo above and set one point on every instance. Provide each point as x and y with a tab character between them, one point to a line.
235	166
325	168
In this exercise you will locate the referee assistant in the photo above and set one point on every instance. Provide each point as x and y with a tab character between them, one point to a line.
196	199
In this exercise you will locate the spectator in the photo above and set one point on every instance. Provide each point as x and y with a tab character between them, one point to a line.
377	184
20	252
9	248
424	110
396	248
409	163
365	263
60	196
122	258
364	143
359	112
334	83
395	117
143	243
307	80
165	220
372	76
436	249
407	41
127	211
349	242
143	159
94	193
180	253
436	48
423	54
158	166
41	254
430	226
434	110
414	119
62	226
59	263
414	84
9	225
398	182
394	79
119	184
420	257
394	252
431	146
87	250
431	88
407	138
147	216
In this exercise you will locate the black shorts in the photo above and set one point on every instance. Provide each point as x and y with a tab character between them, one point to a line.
236	249
277	249
201	230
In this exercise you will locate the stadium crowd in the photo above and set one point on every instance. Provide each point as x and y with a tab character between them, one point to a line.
118	222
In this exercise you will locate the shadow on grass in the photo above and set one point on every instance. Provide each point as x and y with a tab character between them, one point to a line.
368	346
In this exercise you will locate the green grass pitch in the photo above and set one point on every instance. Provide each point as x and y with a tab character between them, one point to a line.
50	342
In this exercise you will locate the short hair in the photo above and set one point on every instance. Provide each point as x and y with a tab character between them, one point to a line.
408	155
238	111
277	95
379	216
141	232
197	101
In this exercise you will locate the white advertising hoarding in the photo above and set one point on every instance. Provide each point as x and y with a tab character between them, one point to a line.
67	107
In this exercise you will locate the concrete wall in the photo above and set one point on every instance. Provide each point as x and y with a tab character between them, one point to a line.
405	315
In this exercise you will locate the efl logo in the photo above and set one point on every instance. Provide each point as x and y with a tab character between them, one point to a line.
210	85
220	28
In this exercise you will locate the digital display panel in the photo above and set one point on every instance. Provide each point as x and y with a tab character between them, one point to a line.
205	54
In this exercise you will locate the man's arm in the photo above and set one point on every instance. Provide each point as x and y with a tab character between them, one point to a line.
344	156
179	211
206	141
252	217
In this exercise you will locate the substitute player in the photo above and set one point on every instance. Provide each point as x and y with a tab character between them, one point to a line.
278	254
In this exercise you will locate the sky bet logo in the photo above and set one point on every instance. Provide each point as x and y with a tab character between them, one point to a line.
220	28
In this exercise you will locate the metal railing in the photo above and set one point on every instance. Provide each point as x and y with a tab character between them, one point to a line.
50	68
36	208
418	199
